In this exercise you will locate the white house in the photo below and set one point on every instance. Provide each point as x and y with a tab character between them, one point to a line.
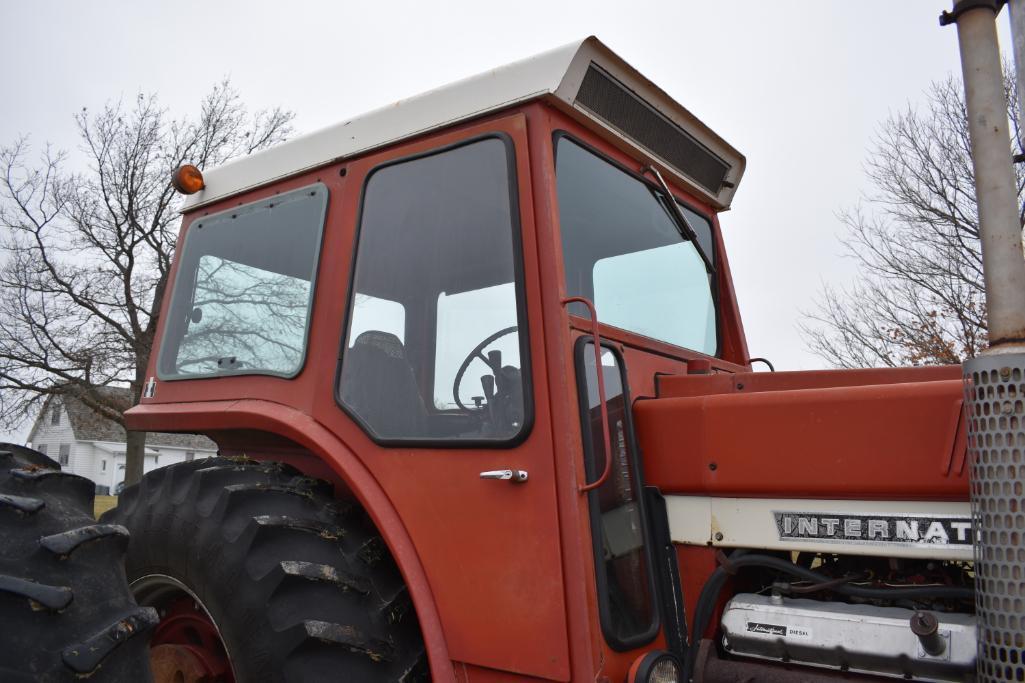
92	446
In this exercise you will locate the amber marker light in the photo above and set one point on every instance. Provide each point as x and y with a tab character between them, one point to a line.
187	179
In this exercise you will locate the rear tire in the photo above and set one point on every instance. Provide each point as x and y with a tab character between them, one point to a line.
299	585
66	612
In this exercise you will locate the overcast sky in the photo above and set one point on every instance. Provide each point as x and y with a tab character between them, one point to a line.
798	87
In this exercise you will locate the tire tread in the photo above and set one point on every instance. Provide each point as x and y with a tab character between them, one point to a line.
301	577
63	592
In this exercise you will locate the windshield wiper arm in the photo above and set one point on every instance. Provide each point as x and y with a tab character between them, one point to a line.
682	224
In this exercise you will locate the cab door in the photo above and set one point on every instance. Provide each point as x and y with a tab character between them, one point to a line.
442	391
644	259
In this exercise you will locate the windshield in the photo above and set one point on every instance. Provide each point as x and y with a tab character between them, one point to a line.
244	287
624	251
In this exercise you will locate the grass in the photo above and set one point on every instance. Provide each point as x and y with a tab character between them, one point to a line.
102	504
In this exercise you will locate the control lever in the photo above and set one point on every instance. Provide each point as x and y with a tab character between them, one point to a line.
488	383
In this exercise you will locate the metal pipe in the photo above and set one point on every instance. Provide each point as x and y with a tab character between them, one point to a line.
996	189
600	376
1016	8
926	626
994	379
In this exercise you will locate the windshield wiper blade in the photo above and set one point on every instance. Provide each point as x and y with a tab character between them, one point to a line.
682	224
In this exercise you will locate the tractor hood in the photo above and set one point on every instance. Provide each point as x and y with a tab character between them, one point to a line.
879	434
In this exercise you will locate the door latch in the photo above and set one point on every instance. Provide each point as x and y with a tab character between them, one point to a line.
515	476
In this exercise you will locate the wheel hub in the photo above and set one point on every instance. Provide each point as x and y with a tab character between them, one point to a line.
177	664
186	646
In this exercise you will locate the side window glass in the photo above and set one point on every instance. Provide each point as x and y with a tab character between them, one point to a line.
623	559
435	345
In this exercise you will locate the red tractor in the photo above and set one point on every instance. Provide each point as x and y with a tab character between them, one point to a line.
486	412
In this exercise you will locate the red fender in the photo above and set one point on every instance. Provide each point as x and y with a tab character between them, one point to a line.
250	414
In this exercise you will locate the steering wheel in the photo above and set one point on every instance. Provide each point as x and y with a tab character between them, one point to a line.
476	353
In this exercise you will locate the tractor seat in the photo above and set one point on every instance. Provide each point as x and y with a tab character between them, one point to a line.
378	384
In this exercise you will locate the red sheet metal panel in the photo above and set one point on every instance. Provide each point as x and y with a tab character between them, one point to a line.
729	382
872	441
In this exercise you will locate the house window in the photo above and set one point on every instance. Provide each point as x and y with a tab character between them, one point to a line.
65	453
190	455
55	415
103	465
156	459
41	448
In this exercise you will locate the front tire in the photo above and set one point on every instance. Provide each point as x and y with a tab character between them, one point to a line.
296	585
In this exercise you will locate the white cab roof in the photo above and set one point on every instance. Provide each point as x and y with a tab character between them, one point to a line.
584	79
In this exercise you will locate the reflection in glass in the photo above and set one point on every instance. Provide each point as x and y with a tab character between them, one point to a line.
244	317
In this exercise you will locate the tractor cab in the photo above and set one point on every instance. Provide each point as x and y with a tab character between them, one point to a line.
407	305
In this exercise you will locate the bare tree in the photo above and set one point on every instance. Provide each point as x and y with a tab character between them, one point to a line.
86	255
919	295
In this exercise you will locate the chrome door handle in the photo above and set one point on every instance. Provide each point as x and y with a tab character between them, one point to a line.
515	476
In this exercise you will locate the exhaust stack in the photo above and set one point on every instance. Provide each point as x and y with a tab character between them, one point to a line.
995	380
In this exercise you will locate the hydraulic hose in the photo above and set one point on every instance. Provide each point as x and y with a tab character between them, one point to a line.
713	586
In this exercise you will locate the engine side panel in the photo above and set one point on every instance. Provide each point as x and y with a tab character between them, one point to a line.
902	441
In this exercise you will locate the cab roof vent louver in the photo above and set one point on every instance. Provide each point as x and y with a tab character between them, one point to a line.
614	104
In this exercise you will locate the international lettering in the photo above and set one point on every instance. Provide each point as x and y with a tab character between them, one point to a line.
903	529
